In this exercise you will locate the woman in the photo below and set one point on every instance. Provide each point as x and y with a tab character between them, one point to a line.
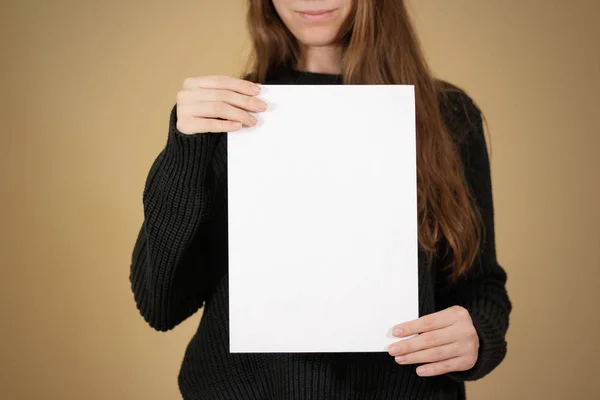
180	258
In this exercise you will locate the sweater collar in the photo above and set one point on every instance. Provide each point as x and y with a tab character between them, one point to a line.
292	76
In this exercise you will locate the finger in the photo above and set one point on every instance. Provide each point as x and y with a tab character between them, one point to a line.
206	125
430	355
443	367
235	99
438	320
424	341
210	109
222	82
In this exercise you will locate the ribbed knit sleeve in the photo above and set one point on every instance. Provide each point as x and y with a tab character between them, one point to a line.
482	291
171	259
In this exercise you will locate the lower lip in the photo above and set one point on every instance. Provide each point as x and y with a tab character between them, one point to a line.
320	16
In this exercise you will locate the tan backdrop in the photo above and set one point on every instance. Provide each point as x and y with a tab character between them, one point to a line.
86	91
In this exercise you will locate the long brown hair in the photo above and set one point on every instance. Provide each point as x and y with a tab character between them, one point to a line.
380	46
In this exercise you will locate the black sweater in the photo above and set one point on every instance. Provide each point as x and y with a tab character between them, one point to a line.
179	264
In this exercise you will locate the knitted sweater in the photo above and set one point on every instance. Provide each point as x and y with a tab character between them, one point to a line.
179	265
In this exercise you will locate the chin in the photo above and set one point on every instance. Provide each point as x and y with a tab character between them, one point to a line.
317	37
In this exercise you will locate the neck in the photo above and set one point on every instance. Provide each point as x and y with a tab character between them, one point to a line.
325	59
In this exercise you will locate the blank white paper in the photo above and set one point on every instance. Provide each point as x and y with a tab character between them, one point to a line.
323	220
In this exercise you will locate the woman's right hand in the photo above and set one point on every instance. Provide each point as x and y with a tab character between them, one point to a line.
217	104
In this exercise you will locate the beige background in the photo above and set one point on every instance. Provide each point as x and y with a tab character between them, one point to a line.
86	91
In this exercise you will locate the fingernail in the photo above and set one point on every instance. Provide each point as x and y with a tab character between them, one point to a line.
393	349
399	359
397	331
256	89
263	106
253	119
421	370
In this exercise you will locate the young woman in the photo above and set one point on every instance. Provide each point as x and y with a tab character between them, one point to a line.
180	258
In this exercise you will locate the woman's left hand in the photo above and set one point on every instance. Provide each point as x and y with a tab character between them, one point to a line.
447	342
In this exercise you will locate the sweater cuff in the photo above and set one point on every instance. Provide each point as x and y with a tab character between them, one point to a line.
492	350
188	155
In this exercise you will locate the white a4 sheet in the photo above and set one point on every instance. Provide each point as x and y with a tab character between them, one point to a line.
322	220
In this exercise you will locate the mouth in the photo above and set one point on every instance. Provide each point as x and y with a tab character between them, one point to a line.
317	15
